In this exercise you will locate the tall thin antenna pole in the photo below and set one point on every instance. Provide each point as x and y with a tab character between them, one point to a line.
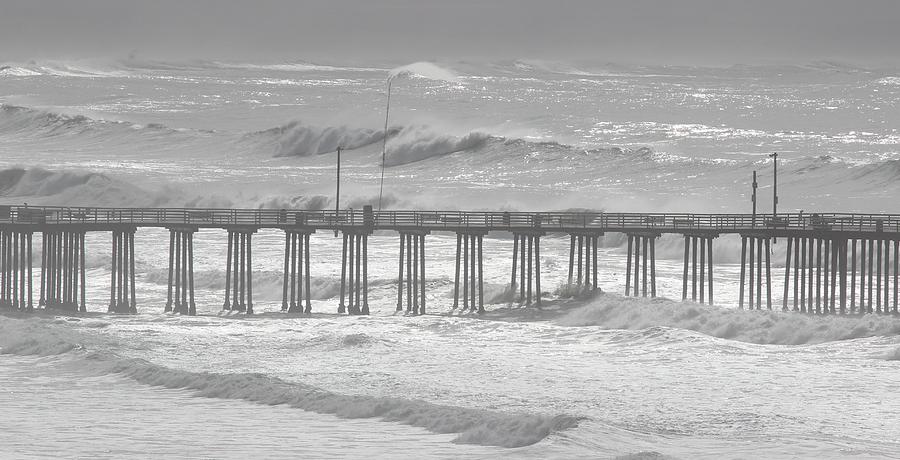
387	111
337	194
775	191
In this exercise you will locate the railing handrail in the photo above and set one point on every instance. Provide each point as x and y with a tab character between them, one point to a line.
436	219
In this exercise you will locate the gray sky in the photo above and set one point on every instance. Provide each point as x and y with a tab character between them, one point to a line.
645	31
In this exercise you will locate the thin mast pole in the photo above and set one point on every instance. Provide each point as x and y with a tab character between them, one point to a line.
337	193
387	111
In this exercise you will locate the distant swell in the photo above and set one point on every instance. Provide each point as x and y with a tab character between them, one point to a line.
33	336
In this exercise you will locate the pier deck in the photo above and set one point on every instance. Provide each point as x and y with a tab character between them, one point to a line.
828	254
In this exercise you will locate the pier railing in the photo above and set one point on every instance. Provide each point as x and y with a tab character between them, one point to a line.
449	220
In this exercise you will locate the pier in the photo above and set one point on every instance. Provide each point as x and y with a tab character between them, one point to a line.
834	263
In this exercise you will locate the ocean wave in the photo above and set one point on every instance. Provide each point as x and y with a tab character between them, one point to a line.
893	355
35	336
408	144
37	182
300	66
85	188
472	425
763	327
27	120
417	143
16	71
72	69
267	285
298	139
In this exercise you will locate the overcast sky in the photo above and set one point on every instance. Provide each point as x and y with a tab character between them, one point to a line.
645	31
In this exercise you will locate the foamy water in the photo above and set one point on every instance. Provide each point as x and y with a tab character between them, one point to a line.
580	378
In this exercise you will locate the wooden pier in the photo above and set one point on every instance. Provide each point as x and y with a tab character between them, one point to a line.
834	263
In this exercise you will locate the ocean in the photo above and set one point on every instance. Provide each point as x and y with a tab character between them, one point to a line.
604	376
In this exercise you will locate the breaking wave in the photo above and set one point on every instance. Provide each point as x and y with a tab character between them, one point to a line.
34	336
29	122
419	143
763	327
267	285
297	139
84	188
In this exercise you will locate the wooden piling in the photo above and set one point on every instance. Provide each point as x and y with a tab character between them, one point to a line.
342	308
653	268
400	275
480	275
456	277
768	274
684	276
628	266
863	308
515	257
751	266
537	267
743	271
759	272
694	268
702	242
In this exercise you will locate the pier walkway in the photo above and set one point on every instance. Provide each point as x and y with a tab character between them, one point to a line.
834	263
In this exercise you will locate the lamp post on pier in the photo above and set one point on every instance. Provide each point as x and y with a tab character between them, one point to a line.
753	197
774	157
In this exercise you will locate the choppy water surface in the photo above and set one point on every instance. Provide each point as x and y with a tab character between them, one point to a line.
605	376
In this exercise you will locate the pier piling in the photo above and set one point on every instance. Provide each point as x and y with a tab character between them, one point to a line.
471	264
239	270
354	271
529	243
121	292
583	255
703	265
16	270
412	246
296	297
758	248
180	296
637	242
